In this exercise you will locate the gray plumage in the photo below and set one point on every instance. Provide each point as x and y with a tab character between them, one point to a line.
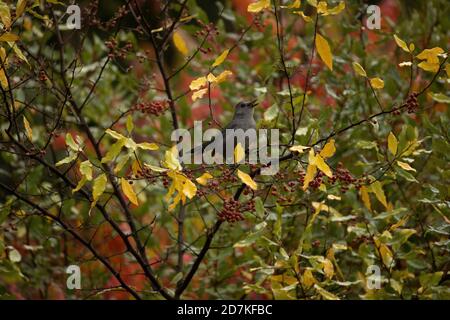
242	119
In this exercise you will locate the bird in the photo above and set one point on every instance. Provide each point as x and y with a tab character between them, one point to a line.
243	118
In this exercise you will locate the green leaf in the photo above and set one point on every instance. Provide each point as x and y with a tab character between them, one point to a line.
130	125
440	97
71	143
99	186
114	150
69	159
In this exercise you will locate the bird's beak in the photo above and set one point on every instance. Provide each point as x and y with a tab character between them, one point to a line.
254	103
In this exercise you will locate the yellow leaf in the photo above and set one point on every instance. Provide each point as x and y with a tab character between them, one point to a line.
302	14
239	153
402	44
298	148
325	294
80	184
328	150
148	146
198	83
245	178
199	94
220	59
155	168
405	166
171	159
377	83
386	255
180	44
364	193
20	7
5	15
127	189
324	51
99	187
337	9
211	78
258	6
86	170
9	37
427	66
28	129
3	78
295	5
447	70
377	188
308	279
223	76
71	143
203	179
328	268
311	170
431	55
322	166
115	134
359	69
189	188
392	143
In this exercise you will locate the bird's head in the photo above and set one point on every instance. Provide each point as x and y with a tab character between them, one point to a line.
244	108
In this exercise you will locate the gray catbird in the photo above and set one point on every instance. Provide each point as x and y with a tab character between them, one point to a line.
242	119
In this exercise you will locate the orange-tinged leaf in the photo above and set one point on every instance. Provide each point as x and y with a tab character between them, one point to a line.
364	193
246	179
328	150
9	37
20	7
323	48
180	44
221	58
377	83
258	6
127	189
328	268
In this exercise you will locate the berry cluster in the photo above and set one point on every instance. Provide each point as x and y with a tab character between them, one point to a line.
209	31
155	108
345	178
231	211
115	51
411	103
